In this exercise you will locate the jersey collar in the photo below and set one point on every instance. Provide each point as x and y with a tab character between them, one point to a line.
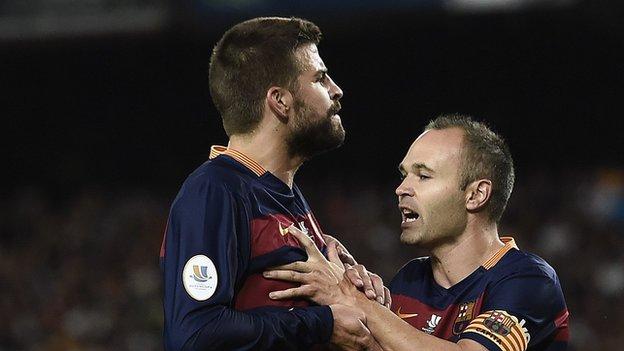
243	159
510	243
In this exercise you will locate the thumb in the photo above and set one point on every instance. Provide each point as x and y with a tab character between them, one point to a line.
305	241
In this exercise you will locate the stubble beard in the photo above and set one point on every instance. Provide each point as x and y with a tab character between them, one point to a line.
444	224
312	134
426	238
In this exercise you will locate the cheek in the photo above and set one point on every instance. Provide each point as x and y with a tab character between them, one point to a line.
445	204
318	96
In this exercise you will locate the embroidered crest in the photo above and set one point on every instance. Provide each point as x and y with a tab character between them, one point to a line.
499	322
466	313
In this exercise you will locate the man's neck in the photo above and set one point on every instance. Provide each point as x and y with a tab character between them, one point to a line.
270	152
454	261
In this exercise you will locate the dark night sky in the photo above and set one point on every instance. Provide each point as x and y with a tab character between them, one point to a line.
125	110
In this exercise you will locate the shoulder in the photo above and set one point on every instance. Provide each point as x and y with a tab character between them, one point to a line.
215	175
524	294
522	263
214	182
520	272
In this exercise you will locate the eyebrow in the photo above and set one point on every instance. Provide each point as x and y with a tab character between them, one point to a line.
321	71
416	167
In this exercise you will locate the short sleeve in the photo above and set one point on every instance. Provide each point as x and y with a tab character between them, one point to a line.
519	311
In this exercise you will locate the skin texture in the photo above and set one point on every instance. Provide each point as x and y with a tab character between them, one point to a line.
451	225
286	112
430	187
317	127
350	331
320	283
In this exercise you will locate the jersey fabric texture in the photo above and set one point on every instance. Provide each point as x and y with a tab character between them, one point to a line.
513	302
226	226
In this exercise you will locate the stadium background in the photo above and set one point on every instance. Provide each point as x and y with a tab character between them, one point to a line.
106	110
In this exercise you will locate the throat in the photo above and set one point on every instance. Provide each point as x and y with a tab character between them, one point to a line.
451	266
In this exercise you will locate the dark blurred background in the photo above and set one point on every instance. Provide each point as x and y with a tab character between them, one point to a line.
106	110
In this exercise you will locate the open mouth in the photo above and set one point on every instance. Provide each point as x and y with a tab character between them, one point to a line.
409	215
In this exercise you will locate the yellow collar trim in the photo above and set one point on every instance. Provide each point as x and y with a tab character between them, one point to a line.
245	160
510	243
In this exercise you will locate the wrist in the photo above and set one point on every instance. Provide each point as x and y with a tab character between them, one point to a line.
364	303
349	294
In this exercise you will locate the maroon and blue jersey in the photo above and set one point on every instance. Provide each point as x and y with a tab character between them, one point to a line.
513	302
226	226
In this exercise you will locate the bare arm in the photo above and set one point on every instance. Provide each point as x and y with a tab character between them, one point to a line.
393	333
321	283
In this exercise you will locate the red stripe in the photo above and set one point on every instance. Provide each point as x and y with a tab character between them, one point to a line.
561	322
266	236
162	245
444	329
562	318
255	293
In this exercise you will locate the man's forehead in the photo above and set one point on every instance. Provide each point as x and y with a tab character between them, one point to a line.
434	146
309	58
448	138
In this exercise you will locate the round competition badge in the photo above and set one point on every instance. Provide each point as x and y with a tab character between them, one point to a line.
200	277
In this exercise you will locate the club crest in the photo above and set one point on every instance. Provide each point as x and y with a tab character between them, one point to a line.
499	322
465	316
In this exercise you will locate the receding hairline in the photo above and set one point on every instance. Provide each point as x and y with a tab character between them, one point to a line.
455	151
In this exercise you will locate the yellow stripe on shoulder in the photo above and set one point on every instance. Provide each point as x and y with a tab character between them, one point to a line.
241	158
510	243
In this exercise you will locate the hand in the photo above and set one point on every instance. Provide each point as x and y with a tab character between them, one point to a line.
370	283
321	280
350	331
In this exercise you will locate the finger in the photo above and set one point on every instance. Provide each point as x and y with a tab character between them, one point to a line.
328	238
332	254
301	291
354	277
345	256
343	253
378	287
298	266
290	276
306	242
368	285
387	297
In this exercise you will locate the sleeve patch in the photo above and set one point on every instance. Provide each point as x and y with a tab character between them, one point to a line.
200	277
502	329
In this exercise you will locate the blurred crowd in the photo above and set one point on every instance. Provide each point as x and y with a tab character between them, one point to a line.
81	272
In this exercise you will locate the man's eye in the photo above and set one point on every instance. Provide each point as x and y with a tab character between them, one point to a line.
402	176
423	177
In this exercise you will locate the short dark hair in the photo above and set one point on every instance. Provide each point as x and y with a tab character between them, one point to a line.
251	57
485	155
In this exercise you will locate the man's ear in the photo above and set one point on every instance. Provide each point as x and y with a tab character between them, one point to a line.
478	194
280	101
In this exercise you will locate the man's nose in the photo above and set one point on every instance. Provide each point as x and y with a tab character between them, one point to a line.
404	190
335	93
